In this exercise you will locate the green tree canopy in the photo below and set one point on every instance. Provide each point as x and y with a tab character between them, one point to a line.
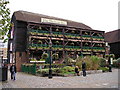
4	19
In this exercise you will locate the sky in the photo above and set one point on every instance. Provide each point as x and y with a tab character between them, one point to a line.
98	14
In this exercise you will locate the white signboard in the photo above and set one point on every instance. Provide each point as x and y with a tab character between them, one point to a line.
45	20
10	58
11	46
111	60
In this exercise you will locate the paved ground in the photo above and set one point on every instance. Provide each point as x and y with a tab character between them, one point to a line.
101	80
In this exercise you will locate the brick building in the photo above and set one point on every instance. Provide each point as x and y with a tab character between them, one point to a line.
31	34
113	39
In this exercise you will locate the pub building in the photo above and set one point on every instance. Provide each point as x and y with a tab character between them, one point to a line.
113	39
31	33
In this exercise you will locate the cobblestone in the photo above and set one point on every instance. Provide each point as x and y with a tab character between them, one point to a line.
100	80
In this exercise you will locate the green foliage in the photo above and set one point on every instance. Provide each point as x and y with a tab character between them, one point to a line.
55	56
67	69
4	19
92	62
69	61
43	71
118	60
116	63
103	62
44	55
112	55
33	59
39	42
95	62
104	69
42	59
57	42
106	55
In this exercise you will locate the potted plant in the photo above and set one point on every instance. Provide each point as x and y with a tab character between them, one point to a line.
44	55
55	56
112	55
57	30
39	42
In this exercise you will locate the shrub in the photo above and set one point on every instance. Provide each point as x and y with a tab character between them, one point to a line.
103	62
104	69
43	71
56	70
116	63
92	62
86	59
69	61
67	69
118	60
95	62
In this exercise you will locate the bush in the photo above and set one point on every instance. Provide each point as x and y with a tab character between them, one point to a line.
104	69
92	62
118	60
103	62
67	69
43	71
69	61
116	63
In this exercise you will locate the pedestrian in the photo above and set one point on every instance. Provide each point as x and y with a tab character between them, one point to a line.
109	64
77	70
84	68
13	71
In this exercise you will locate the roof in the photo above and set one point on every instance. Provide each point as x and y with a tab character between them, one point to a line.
36	18
113	36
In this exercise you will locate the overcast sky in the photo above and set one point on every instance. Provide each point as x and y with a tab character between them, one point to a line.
98	14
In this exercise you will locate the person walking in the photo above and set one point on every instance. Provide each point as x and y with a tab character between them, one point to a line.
77	70
109	64
84	68
13	72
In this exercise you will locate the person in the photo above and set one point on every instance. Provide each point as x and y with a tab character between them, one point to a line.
109	64
84	68
13	71
77	70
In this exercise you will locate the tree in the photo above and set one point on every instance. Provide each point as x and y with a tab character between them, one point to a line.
4	19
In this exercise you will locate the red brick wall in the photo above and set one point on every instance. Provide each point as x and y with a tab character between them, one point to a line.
20	59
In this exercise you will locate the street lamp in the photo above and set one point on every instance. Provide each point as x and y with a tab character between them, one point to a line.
50	48
50	70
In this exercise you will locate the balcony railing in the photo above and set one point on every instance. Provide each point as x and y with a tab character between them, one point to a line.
54	46
70	35
60	47
97	37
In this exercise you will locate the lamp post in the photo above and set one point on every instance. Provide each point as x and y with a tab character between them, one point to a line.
50	48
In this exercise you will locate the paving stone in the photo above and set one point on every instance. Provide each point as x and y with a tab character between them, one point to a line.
99	80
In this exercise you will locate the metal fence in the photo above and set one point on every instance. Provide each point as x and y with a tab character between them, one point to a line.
29	69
